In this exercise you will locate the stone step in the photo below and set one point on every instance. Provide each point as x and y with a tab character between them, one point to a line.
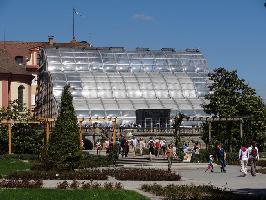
145	160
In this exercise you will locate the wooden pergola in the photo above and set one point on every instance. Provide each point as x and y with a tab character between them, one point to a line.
48	123
99	119
209	120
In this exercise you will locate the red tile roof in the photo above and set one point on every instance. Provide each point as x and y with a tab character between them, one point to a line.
9	66
17	48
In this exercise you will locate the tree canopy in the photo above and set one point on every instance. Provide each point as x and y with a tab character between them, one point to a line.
27	138
231	96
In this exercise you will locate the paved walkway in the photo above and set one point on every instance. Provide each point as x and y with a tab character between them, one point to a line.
231	180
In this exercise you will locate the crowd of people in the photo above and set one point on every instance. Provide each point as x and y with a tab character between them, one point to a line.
246	155
159	147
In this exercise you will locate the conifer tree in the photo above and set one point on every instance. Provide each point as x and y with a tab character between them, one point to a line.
63	151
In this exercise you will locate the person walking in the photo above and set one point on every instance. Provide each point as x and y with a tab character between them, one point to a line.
163	147
126	148
253	157
151	147
243	157
141	145
170	154
157	147
134	143
210	163
221	156
98	148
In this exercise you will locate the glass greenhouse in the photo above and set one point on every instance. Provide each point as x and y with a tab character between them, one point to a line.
114	82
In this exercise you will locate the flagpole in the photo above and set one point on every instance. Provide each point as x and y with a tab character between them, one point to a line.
73	24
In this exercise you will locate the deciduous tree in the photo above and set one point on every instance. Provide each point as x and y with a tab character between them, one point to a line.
231	96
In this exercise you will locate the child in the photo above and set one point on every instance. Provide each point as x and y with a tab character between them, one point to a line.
210	165
98	147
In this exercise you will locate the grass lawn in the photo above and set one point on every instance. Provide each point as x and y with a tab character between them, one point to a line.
80	194
10	165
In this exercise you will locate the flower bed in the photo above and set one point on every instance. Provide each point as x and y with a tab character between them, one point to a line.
188	192
95	174
52	175
143	174
262	170
20	184
90	185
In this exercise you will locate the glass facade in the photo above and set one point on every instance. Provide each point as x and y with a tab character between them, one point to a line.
116	82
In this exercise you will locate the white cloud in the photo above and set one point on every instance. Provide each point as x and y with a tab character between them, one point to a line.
142	17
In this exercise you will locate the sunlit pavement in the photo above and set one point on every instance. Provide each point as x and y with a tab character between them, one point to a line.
232	179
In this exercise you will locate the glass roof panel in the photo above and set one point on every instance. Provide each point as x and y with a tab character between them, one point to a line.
148	94
128	113
118	86
160	86
89	94
120	80
98	113
58	77
176	94
146	86
132	86
162	94
105	94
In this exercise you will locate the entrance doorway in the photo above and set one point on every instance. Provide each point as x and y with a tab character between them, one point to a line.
148	123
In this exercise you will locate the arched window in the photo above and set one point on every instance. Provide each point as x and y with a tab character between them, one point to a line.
20	97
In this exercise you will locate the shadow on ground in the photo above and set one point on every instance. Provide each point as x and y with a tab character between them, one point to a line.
258	192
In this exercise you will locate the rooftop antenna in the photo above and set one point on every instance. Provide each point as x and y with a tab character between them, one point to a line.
73	24
75	12
4	39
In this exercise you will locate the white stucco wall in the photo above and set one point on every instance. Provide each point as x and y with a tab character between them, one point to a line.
14	92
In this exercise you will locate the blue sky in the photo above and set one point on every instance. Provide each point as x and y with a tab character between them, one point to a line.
230	33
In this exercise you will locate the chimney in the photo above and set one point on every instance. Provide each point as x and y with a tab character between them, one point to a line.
51	40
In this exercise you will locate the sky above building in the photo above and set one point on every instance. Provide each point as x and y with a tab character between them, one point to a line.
230	33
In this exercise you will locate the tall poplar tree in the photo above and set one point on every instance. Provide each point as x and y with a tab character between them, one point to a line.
63	151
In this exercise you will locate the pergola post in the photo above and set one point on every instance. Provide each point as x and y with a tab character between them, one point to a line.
80	133
241	128
114	131
9	137
47	131
210	126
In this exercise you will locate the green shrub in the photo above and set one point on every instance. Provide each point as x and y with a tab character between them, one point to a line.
261	163
27	139
3	140
90	161
232	158
202	157
64	151
114	154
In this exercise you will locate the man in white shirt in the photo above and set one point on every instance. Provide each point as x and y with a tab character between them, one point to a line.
134	143
253	157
